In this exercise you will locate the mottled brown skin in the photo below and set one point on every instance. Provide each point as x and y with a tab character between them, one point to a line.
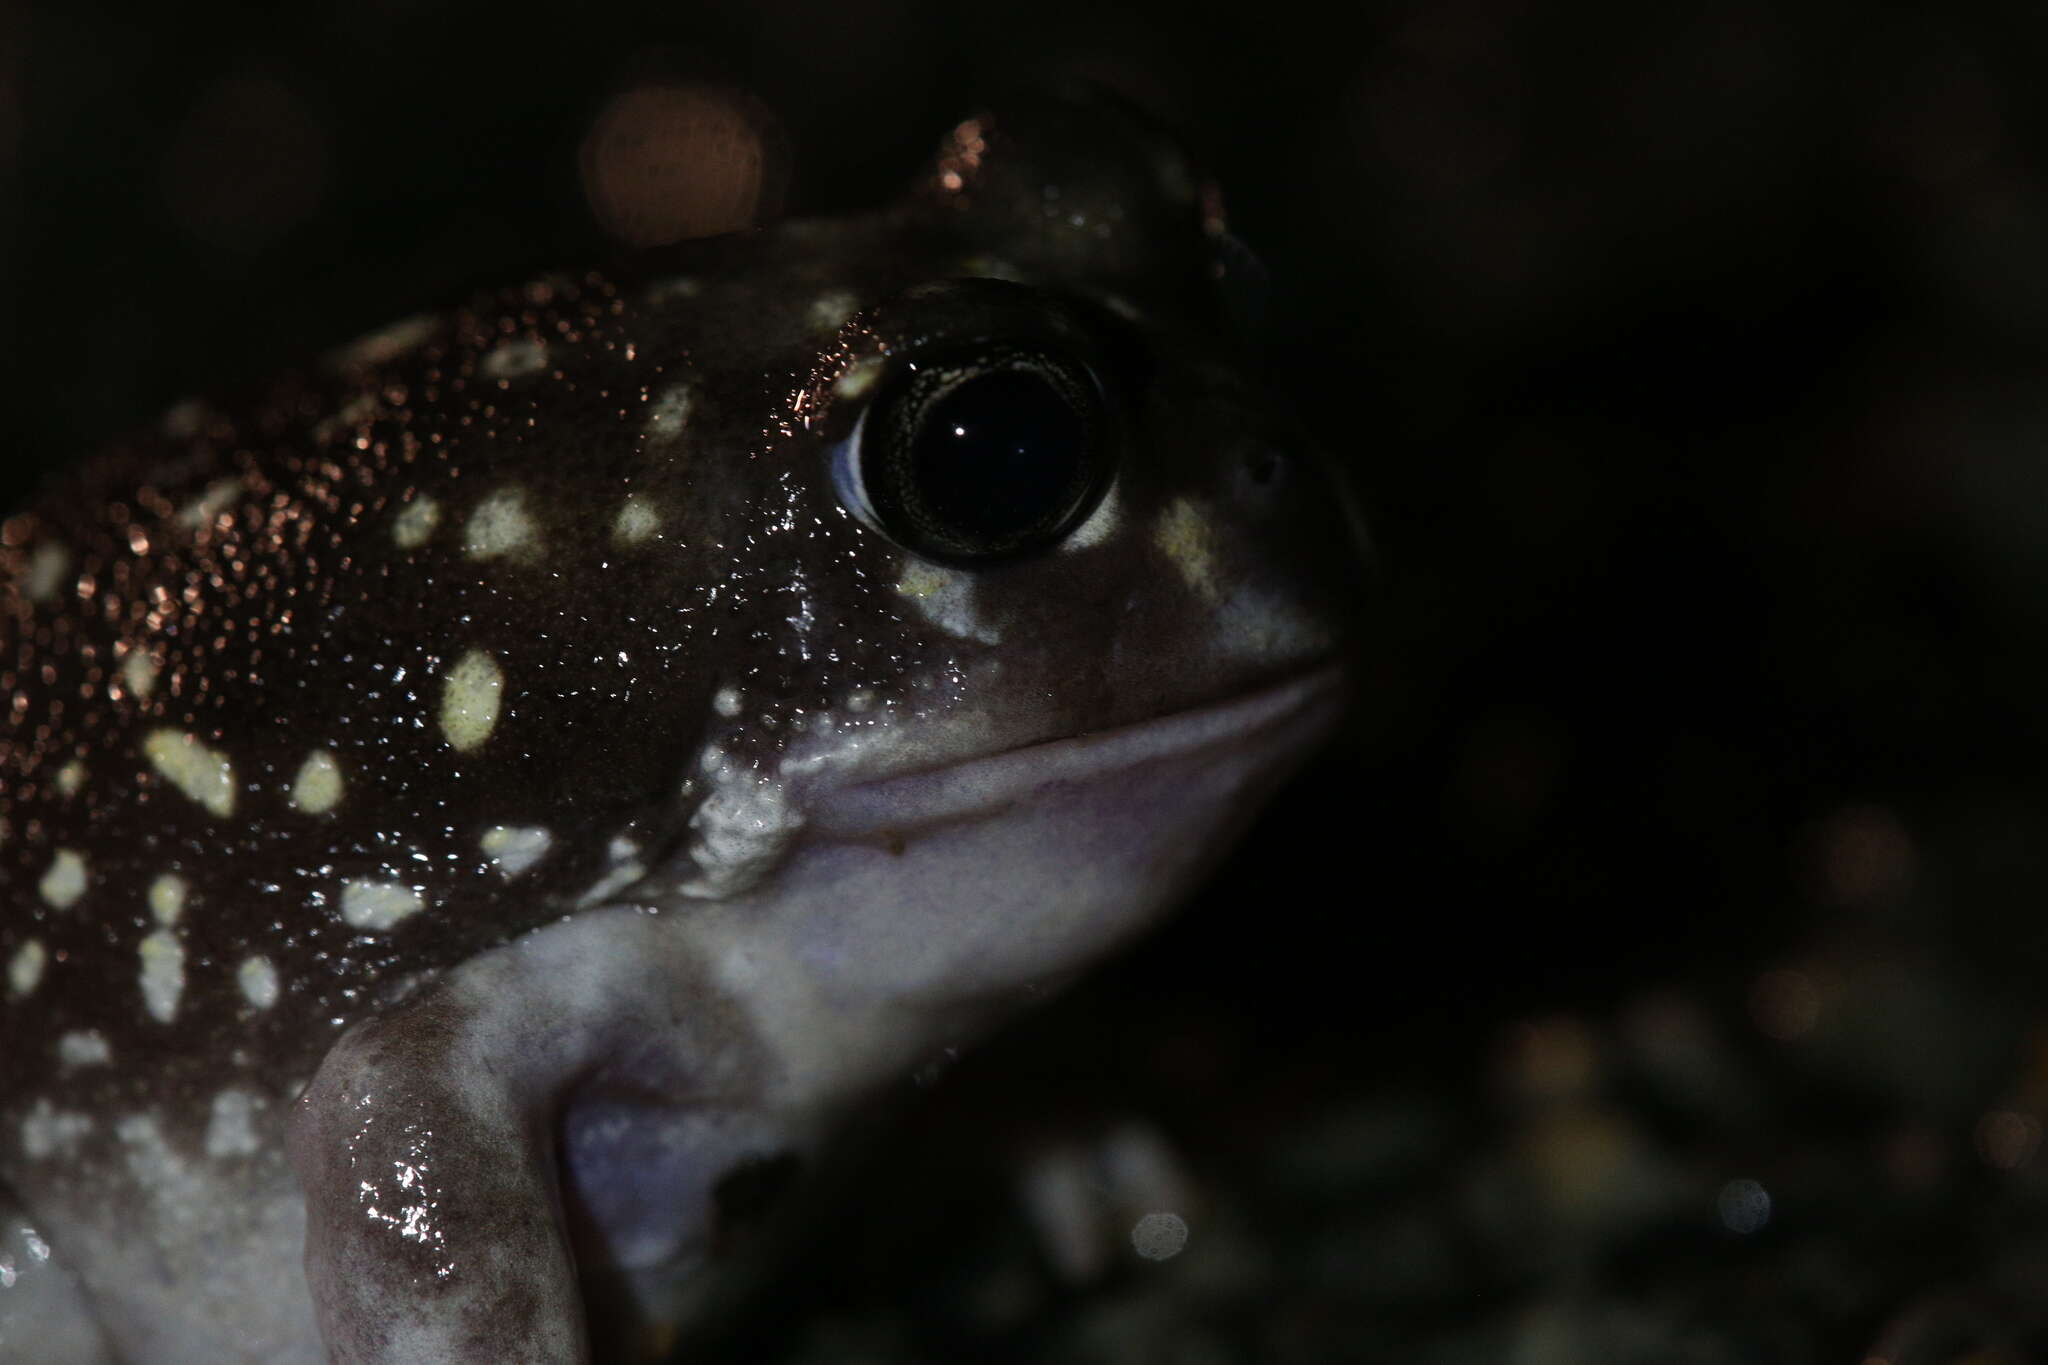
289	618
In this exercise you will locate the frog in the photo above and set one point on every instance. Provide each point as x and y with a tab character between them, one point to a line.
481	812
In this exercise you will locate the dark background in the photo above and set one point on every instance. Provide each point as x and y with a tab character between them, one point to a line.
1688	360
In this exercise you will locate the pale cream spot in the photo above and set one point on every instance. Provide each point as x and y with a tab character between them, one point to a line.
64	882
70	778
727	702
415	522
992	268
163	974
945	598
620	877
829	311
1100	525
469	700
138	672
353	415
167	898
258	980
637	522
202	774
377	906
48	1131
500	525
1122	307
317	788
204	511
859	378
232	1129
386	344
83	1047
25	968
513	849
44	578
1186	538
183	420
681	287
515	359
861	700
670	413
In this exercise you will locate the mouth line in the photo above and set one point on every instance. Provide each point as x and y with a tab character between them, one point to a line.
1295	709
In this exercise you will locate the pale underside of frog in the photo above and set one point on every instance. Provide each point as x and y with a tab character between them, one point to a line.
468	806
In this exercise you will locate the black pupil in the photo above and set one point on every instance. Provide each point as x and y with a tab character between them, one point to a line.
1000	457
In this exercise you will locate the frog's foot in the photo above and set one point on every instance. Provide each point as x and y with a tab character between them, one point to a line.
44	1314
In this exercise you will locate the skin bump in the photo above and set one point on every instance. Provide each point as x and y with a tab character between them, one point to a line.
205	775
376	906
64	882
317	788
469	700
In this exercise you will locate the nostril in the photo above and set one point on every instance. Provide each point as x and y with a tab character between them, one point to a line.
1264	465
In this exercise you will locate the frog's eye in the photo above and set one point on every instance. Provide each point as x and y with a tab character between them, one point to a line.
980	455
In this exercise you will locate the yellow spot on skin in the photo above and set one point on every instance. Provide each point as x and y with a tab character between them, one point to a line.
469	700
138	673
64	882
83	1047
317	789
1186	538
167	898
71	777
258	980
163	974
858	379
515	848
205	775
830	311
500	525
637	521
377	906
25	968
415	523
45	575
203	511
920	579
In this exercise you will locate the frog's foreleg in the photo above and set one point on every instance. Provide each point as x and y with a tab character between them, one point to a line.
44	1313
426	1142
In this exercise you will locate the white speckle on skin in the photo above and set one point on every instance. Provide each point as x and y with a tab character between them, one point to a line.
138	672
514	849
205	775
377	906
726	701
163	974
669	413
469	700
1186	538
515	359
414	525
317	788
232	1129
830	310
44	577
945	597
258	980
203	512
1159	1236
64	881
1100	525
637	521
47	1131
83	1047
500	525
858	379
70	778
25	968
167	898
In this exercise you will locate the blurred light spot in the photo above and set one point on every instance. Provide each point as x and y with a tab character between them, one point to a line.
664	163
1512	762
1744	1206
2006	1138
1550	1059
248	164
1915	1159
1159	1236
1863	858
1785	1004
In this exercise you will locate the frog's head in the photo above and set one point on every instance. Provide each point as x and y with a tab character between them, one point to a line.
1056	593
